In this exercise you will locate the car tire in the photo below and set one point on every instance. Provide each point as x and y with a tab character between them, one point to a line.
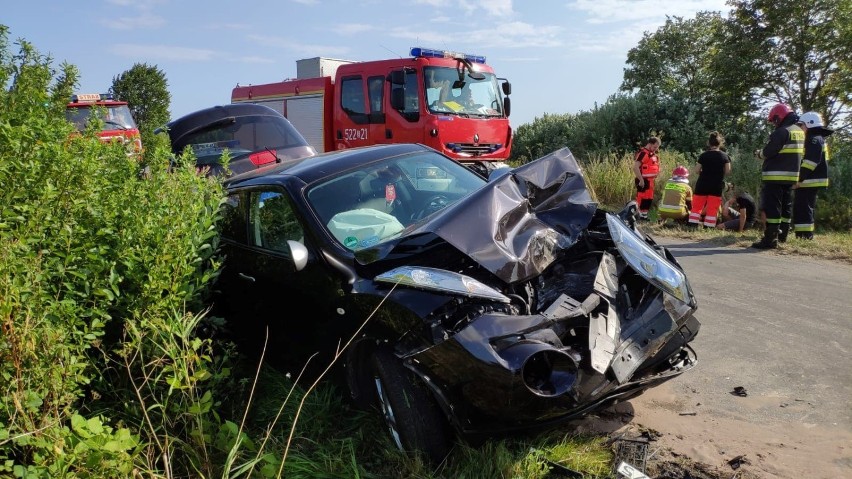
413	418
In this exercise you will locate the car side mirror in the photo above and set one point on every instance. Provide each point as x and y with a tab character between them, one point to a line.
507	88
507	105
299	253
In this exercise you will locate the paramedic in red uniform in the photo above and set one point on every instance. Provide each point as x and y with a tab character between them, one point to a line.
782	157
646	168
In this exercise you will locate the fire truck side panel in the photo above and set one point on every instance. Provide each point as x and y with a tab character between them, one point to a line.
305	112
306	103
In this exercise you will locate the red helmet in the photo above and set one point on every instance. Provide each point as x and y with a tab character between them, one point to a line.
680	171
778	112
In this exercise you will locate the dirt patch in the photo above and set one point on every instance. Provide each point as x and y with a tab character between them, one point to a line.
686	441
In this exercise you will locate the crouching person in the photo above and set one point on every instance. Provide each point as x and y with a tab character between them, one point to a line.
739	213
677	197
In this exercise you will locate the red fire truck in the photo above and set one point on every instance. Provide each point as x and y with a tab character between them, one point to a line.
449	101
118	123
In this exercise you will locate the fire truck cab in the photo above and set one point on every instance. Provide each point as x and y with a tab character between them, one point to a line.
117	121
450	101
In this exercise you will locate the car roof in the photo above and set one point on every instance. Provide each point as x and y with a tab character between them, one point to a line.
191	122
313	168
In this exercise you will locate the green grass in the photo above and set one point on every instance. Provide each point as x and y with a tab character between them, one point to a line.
332	440
828	245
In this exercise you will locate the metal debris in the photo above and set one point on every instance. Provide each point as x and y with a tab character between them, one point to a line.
739	391
736	462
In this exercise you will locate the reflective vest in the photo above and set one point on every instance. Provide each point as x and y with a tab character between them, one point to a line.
814	170
675	194
650	166
783	154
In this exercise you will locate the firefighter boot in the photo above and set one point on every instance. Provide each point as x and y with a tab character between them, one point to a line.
770	238
805	235
784	228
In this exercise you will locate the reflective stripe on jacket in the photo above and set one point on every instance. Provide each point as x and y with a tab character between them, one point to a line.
814	170
783	154
675	195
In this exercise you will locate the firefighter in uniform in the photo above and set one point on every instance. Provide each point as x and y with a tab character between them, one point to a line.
813	174
677	196
781	157
646	167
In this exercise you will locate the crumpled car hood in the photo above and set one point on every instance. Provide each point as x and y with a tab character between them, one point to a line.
530	213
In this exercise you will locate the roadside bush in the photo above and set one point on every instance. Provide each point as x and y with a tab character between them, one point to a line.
102	278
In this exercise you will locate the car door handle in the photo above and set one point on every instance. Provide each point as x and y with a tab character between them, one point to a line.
246	277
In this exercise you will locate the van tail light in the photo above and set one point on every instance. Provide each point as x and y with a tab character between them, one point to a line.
263	158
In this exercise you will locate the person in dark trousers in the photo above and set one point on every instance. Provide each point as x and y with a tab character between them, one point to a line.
739	212
813	174
781	157
646	168
713	165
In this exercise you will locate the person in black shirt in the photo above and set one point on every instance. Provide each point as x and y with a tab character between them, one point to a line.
713	165
739	213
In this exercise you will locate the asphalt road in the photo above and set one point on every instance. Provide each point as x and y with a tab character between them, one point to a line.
780	326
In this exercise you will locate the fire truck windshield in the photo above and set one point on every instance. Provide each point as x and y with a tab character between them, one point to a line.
114	117
445	94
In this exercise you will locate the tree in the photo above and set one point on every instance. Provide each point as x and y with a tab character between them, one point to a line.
675	60
681	64
802	50
146	90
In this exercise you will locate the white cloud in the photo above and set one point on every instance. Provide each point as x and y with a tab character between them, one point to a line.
144	20
138	4
255	60
503	35
613	27
520	35
162	52
352	28
229	26
609	11
306	49
496	8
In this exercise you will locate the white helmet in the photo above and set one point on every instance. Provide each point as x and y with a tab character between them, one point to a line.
811	119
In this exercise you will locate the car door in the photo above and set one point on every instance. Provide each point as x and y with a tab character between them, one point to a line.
261	284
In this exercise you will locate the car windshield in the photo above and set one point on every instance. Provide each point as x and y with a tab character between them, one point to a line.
240	136
366	207
114	117
446	94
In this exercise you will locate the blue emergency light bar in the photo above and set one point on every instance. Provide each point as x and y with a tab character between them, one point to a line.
418	52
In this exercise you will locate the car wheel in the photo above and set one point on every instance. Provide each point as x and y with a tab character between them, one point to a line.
413	418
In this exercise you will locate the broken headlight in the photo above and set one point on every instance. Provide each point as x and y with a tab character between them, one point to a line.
647	262
442	281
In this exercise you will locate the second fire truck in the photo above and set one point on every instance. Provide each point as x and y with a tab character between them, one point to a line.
452	102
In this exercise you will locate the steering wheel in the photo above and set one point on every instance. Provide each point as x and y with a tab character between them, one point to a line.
433	204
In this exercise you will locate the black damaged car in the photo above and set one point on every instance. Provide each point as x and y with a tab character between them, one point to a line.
463	307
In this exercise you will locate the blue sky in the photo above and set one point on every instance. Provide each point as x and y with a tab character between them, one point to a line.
562	56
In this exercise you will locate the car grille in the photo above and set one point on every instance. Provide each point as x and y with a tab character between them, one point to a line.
474	149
